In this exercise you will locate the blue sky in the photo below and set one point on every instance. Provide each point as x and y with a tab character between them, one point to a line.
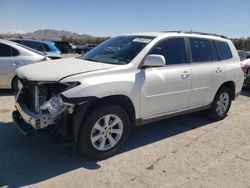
115	17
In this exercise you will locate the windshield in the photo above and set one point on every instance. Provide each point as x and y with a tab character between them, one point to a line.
118	50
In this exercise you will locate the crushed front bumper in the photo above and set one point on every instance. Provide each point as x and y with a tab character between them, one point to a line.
20	124
37	120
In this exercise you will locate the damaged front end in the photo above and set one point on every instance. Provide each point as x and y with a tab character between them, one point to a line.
39	104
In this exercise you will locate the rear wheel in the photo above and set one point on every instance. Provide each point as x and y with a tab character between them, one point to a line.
221	104
104	131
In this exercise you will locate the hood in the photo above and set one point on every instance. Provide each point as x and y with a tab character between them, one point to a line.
55	70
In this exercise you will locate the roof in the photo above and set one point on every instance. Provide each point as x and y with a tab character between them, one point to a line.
39	41
180	33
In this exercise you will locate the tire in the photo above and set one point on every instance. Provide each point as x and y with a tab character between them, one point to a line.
94	141
221	104
14	85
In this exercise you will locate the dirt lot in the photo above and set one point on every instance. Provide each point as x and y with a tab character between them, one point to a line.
187	151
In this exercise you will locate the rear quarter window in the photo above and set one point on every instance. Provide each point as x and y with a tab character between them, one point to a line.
223	50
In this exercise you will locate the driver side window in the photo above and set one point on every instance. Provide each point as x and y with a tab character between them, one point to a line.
173	50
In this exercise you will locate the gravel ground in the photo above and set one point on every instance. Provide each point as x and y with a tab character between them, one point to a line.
186	151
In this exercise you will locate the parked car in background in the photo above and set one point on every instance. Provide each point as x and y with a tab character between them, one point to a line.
243	55
12	56
80	48
42	46
248	54
128	81
246	65
90	47
73	48
64	47
83	48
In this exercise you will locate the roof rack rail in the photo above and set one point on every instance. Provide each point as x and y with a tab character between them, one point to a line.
195	32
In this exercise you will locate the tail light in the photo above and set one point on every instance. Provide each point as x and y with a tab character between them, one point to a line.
243	68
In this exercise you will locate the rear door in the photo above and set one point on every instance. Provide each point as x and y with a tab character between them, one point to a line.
7	64
206	71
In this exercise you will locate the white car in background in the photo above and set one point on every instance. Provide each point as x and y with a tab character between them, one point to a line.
12	56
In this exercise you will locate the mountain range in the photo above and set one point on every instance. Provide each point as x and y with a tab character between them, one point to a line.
50	34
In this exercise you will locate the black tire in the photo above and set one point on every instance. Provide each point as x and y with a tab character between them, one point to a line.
14	85
212	112
85	145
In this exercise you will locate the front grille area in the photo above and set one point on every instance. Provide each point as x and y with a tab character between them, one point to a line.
28	94
34	94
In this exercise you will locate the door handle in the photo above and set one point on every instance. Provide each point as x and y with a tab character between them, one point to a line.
218	70
185	74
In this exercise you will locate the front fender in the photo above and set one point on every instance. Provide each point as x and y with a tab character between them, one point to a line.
108	85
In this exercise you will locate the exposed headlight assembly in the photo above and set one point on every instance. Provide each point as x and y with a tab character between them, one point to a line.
53	105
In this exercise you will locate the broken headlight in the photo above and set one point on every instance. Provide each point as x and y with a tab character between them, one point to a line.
53	105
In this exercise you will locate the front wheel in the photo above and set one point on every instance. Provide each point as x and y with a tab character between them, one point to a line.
104	131
221	104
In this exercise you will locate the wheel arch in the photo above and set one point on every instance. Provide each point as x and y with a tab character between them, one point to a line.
83	110
231	86
12	81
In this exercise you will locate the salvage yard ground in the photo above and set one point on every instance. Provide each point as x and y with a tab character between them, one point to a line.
186	151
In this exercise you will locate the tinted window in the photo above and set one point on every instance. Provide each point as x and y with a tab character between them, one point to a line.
223	50
52	47
201	50
34	45
14	52
173	50
5	50
46	48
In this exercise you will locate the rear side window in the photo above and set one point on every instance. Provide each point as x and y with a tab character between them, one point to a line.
201	50
34	45
223	50
173	50
5	50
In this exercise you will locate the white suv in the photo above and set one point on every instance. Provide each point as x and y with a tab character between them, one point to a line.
128	81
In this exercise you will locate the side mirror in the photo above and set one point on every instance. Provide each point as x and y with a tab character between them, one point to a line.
154	60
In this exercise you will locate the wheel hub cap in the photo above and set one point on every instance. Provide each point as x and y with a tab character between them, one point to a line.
222	103
106	132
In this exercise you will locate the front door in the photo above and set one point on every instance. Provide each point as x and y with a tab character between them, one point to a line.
6	65
166	89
